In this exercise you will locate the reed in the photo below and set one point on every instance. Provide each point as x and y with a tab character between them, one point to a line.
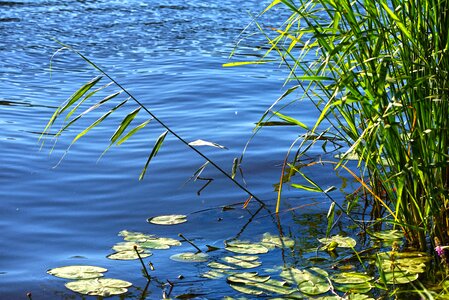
377	72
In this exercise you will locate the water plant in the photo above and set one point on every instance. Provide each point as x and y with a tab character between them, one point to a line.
377	73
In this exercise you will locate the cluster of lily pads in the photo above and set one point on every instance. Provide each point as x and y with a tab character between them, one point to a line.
239	256
88	280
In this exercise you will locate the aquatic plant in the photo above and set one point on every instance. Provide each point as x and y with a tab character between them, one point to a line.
377	73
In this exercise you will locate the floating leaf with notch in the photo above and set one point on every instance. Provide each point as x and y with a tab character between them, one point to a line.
77	272
103	287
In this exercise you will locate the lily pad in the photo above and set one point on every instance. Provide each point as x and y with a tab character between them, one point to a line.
77	272
312	281
128	255
168	220
270	241
190	257
350	278
134	236
404	262
148	241
214	274
314	287
344	242
247	278
245	247
388	235
364	287
103	287
294	275
267	287
218	265
400	277
243	261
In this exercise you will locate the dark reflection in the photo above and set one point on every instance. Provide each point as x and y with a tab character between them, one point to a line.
10	3
4	102
9	20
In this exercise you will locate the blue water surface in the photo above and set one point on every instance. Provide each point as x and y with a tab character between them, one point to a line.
169	54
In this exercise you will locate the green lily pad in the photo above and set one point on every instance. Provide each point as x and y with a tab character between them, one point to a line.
214	274
400	277
294	275
77	272
246	289
190	257
217	265
388	235
404	262
364	287
245	247
344	242
126	246
148	241
168	220
134	236
247	278
103	287
350	277
312	281
314	287
243	261
271	241
128	255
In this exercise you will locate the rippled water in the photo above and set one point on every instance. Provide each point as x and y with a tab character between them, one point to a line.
169	55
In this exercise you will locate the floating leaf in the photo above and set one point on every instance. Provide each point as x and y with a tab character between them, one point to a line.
214	274
168	220
126	246
388	235
294	275
350	277
190	257
314	288
364	287
128	255
77	272
266	287
217	265
245	247
243	261
135	236
399	277
271	241
344	242
103	287
405	262
246	289
247	278
312	281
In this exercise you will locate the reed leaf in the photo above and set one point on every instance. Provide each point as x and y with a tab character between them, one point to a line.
153	153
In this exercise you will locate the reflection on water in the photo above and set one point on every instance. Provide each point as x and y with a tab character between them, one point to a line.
169	54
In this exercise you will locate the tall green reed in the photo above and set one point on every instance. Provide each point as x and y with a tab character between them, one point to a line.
377	72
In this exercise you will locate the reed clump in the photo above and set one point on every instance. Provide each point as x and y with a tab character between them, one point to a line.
377	72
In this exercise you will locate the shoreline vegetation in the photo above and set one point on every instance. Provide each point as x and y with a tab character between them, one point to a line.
377	74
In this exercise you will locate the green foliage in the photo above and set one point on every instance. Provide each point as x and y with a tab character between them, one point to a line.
377	72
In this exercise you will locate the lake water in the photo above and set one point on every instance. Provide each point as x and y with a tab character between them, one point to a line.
169	54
